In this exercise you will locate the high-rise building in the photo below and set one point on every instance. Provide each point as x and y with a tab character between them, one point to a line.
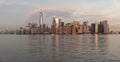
61	26
96	28
105	26
101	28
86	27
60	20
44	28
68	28
57	25
41	21
92	28
75	26
53	26
80	29
57	22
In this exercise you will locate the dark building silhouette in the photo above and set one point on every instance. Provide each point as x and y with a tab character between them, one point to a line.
102	28
93	28
61	27
53	26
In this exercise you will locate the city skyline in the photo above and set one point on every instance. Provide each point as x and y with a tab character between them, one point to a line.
14	13
58	26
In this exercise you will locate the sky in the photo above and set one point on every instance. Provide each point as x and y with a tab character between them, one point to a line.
17	13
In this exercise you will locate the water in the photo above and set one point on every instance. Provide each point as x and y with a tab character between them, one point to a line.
59	48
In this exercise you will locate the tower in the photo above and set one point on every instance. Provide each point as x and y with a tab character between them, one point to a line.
105	26
53	26
85	27
41	21
96	27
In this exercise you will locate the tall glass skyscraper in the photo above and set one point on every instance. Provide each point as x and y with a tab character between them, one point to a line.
41	20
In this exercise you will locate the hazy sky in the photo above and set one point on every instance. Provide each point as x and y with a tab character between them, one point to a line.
16	13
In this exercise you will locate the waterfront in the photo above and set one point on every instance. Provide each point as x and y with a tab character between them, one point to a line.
59	48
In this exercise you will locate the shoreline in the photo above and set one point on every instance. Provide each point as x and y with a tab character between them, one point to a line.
59	34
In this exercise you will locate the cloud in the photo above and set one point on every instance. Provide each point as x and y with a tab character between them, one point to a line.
116	3
97	13
64	11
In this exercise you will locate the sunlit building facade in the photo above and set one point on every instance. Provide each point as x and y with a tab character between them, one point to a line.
105	26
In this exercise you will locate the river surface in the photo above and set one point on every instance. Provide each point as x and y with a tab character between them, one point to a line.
59	48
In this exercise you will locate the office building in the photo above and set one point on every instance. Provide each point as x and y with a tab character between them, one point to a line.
94	28
105	26
41	21
86	28
53	26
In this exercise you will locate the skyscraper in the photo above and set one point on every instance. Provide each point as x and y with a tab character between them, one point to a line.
57	22
105	26
75	26
80	29
101	28
92	28
68	28
41	21
85	27
96	28
53	26
57	25
61	26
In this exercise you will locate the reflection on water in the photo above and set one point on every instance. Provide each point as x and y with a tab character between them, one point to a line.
64	48
68	48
